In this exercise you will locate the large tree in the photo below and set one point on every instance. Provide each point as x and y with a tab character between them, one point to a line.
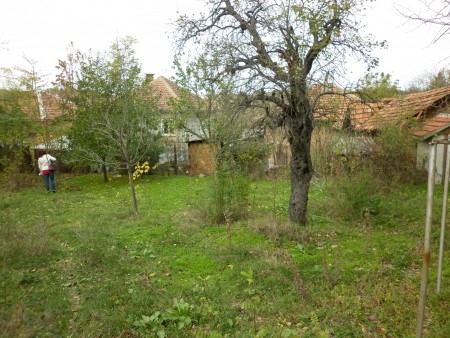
276	49
113	112
429	81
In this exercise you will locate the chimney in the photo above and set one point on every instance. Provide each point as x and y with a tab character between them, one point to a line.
149	77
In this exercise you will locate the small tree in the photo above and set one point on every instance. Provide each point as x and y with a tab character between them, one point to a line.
16	128
379	86
24	122
211	110
114	115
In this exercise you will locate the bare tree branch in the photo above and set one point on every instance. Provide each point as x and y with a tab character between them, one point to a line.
431	13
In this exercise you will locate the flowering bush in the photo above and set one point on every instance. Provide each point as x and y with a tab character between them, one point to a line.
143	168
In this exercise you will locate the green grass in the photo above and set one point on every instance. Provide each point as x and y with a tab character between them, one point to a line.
79	263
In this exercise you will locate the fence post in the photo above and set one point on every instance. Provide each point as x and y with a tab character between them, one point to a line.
427	241
443	221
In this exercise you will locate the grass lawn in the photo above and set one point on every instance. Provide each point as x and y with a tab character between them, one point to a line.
79	264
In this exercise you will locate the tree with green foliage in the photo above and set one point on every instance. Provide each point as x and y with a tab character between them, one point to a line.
211	110
440	79
22	122
16	130
73	82
275	50
377	86
430	81
114	115
16	126
22	91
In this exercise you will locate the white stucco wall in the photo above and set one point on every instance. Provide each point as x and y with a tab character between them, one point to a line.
423	151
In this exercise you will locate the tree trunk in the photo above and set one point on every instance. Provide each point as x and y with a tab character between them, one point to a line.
299	131
105	173
175	159
133	190
34	160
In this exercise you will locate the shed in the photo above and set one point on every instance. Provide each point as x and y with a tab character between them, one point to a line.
200	158
436	128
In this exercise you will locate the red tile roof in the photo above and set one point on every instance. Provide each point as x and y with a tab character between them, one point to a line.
165	90
397	110
431	108
44	105
342	108
431	126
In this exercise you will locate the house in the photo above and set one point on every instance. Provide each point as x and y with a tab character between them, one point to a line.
182	149
432	113
426	114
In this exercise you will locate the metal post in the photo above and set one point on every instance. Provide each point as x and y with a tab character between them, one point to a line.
427	241
444	160
443	222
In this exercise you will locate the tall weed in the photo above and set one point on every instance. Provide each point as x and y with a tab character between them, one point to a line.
228	195
354	196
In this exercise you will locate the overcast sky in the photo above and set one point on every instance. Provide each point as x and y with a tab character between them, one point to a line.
41	30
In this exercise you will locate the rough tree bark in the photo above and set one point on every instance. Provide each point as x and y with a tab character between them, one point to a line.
299	133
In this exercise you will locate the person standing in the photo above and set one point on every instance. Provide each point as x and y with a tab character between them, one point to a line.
47	169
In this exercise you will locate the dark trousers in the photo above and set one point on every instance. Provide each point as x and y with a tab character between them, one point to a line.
49	181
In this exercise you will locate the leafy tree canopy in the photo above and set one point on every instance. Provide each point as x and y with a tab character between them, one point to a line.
114	114
430	81
376	86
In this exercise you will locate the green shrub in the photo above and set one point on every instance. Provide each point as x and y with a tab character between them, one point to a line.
228	195
13	165
355	196
393	157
